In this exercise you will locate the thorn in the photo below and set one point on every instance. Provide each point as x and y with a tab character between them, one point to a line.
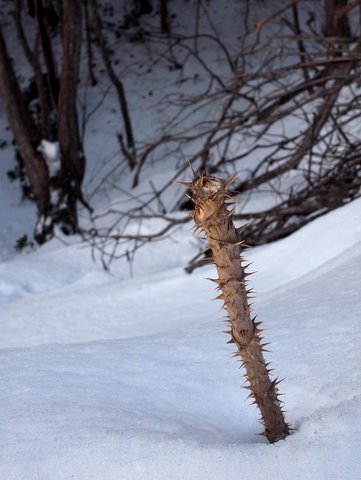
231	180
248	274
248	264
277	381
185	184
221	283
192	170
219	297
215	280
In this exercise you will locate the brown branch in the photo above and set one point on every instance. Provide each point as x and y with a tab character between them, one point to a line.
118	84
300	43
309	137
46	46
264	21
341	12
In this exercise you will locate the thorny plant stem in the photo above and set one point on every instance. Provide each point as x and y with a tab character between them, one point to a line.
211	215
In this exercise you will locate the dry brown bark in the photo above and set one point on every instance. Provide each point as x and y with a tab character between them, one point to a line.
336	26
211	215
27	138
32	56
71	149
46	45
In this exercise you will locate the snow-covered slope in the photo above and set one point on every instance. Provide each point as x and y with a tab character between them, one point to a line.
107	377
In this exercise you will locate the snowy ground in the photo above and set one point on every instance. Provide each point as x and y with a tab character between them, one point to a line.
104	377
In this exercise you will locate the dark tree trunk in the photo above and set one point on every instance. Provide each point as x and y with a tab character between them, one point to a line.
336	27
164	17
27	138
41	15
143	7
92	77
33	59
71	150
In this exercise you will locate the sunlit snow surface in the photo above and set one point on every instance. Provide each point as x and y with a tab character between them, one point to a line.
104	376
108	377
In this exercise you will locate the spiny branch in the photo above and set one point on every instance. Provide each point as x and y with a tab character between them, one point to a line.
211	197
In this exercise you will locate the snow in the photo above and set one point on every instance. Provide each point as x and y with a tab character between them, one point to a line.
50	152
104	376
126	374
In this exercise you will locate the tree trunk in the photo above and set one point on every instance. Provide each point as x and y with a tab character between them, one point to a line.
71	150
27	138
336	28
89	47
47	51
33	59
164	17
212	216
